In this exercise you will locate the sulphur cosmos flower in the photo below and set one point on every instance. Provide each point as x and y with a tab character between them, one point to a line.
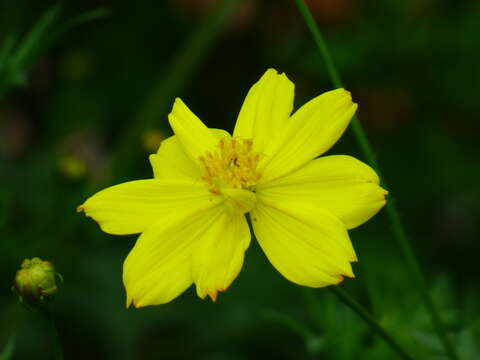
192	214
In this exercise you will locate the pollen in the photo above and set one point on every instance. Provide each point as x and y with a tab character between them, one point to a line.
232	163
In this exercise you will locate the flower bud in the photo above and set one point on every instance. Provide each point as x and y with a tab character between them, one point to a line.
35	282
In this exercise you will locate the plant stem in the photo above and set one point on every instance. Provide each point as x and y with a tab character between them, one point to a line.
47	313
392	212
365	315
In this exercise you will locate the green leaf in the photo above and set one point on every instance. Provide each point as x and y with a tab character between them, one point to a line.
7	352
77	21
32	42
14	64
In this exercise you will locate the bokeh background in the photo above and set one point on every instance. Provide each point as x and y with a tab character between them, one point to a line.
82	110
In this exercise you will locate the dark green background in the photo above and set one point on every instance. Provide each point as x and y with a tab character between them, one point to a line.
412	65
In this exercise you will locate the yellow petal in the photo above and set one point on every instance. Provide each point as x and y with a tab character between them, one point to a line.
238	200
305	243
265	111
158	269
218	254
172	162
133	206
311	131
194	136
343	185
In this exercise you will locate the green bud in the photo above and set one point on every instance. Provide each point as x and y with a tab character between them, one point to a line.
35	283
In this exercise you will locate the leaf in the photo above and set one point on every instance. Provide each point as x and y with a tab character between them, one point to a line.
15	63
32	42
77	21
468	343
7	352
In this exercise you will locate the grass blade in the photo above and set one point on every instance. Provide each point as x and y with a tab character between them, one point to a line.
78	21
32	42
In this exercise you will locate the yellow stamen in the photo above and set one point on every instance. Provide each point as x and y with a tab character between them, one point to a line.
232	164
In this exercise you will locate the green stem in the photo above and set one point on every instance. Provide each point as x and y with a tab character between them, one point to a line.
47	313
364	314
392	212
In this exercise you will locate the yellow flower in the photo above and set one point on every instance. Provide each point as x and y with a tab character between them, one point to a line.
192	214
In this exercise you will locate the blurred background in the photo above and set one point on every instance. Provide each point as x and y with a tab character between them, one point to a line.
85	90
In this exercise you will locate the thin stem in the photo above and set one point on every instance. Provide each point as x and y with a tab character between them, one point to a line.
365	315
392	212
47	313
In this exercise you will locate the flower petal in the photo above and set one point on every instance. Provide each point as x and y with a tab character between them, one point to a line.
172	162
194	136
218	255
265	111
341	184
158	268
306	244
133	206
311	131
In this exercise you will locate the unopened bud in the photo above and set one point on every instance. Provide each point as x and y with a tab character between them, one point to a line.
35	283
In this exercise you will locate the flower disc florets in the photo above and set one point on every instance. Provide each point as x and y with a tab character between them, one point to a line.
233	164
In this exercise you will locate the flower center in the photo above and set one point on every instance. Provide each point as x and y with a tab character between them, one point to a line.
233	163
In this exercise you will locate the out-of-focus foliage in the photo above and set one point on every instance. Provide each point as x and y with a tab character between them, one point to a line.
16	59
7	352
411	65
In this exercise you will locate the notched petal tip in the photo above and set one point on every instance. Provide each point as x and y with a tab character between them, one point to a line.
345	97
271	71
350	275
342	277
137	303
345	92
81	208
274	74
213	296
348	271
